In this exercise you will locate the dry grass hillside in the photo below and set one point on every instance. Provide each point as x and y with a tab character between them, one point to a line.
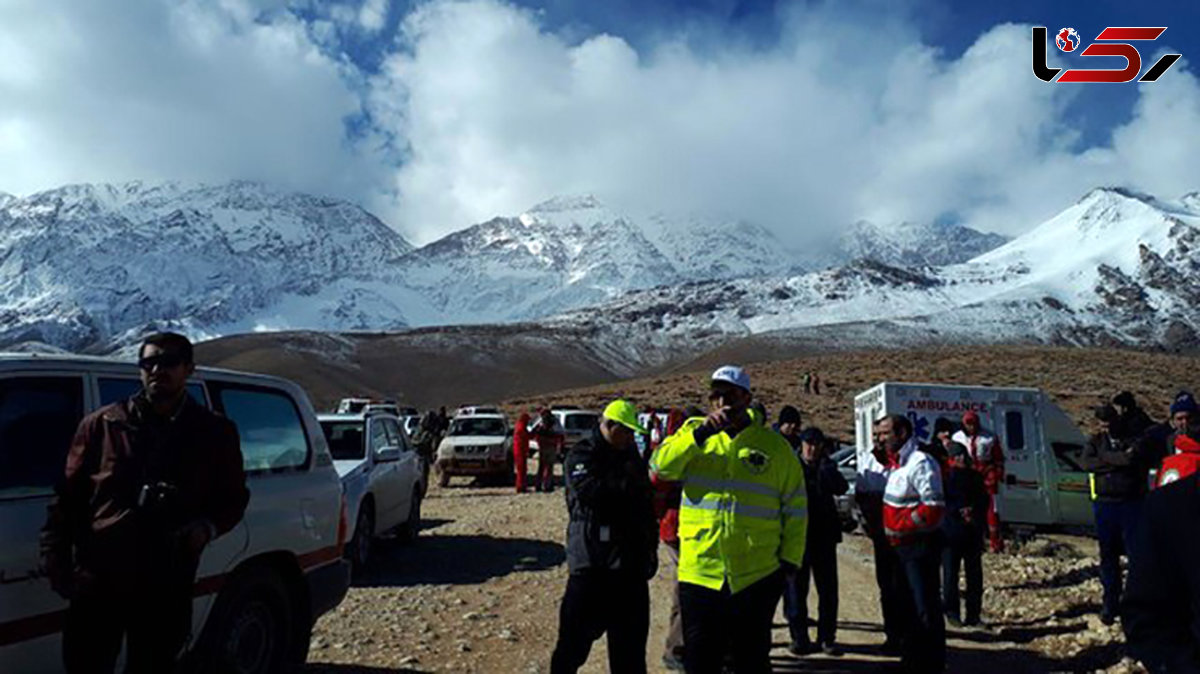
1076	378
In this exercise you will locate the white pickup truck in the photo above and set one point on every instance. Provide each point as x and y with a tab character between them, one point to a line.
259	588
382	476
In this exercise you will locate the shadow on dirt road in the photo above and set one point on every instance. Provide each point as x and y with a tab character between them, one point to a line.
458	560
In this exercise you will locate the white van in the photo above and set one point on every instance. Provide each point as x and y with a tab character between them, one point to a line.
1043	483
259	588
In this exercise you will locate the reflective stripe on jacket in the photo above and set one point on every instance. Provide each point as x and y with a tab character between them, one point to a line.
913	502
744	507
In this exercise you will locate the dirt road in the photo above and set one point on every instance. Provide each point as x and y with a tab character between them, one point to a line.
479	592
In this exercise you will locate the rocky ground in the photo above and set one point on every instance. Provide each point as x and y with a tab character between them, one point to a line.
479	592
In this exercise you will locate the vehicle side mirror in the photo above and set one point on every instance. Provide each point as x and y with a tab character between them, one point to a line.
388	454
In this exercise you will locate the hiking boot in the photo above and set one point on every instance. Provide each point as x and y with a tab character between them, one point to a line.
831	649
672	663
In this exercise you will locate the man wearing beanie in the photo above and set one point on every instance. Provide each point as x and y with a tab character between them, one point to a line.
1119	468
789	426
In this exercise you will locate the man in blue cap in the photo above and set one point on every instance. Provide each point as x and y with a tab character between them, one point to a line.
612	547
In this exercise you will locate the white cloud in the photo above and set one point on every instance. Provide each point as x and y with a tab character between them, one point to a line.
373	14
190	90
841	121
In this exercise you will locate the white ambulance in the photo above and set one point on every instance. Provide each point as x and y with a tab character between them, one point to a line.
1043	483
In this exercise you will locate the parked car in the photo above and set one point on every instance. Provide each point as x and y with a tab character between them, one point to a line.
360	405
259	587
382	477
411	422
468	410
846	459
478	445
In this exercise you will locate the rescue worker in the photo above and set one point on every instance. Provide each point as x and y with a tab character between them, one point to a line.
1119	466
869	484
742	520
427	440
611	547
149	483
550	439
667	496
913	509
965	528
824	483
1159	611
1183	457
987	457
521	451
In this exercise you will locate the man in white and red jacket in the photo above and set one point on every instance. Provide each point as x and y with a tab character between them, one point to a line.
913	506
987	458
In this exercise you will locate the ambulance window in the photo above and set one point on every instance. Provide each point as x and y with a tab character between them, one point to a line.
1014	425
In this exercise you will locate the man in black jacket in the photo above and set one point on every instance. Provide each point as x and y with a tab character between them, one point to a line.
965	527
824	482
612	547
1119	465
1160	607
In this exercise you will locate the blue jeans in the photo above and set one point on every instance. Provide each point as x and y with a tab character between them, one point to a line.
1115	526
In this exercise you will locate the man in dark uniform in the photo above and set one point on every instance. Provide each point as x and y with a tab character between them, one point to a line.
612	547
149	482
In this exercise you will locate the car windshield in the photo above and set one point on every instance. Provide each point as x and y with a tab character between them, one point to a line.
579	422
477	426
345	439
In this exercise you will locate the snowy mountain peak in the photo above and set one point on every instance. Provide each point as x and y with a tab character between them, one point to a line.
560	204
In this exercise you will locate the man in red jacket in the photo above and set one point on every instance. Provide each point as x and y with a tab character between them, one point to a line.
149	483
987	457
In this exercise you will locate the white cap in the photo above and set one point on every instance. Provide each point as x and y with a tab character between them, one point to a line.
733	375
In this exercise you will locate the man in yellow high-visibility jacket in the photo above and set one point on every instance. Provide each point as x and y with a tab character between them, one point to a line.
742	518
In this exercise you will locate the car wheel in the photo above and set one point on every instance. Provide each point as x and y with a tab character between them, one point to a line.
359	549
412	526
250	627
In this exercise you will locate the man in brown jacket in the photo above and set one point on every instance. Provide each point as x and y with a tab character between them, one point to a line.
149	482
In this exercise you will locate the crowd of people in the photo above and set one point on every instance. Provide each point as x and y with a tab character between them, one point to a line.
746	513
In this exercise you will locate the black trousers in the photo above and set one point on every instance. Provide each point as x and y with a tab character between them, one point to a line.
602	602
924	649
820	564
894	600
966	555
154	619
716	622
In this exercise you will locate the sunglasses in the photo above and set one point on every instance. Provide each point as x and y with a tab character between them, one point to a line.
163	360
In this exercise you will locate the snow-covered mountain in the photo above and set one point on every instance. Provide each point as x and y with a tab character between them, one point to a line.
1117	267
572	252
86	264
908	244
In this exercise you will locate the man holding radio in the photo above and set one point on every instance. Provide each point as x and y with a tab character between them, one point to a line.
149	483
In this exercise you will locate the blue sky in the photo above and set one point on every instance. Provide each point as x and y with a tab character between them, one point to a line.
441	113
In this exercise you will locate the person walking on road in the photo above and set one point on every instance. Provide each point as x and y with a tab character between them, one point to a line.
987	457
520	448
824	483
742	521
612	544
965	528
149	483
1120	468
550	439
913	508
